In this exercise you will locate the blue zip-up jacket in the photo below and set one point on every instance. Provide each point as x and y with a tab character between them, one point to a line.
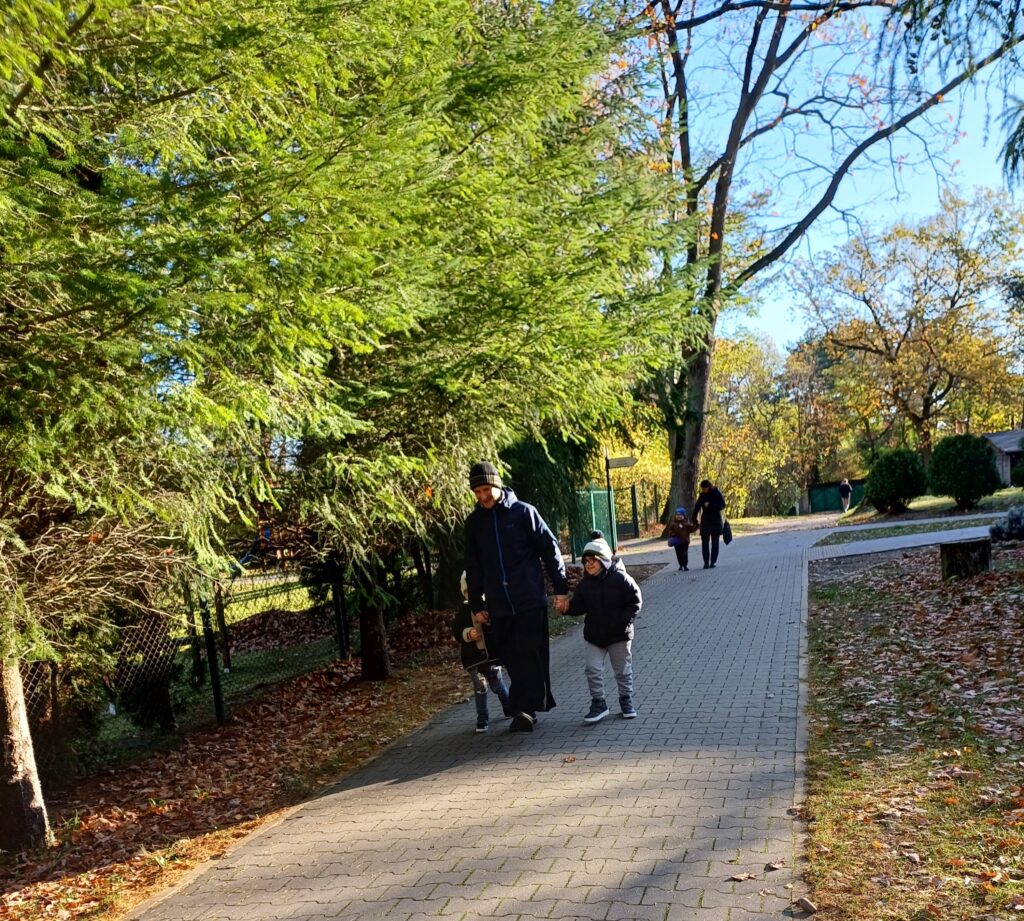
505	547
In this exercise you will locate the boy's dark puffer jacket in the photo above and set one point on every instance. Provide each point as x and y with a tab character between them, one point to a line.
610	601
504	549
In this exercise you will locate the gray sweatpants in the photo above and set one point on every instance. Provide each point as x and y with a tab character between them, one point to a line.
621	656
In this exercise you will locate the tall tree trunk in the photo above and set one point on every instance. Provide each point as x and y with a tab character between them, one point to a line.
395	566
923	433
421	559
23	821
686	456
373	635
689	441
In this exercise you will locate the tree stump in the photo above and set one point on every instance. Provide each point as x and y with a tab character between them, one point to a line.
966	558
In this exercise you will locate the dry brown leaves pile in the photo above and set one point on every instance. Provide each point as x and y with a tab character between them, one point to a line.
122	835
962	641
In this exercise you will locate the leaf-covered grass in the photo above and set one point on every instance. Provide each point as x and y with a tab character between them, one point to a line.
849	537
916	752
934	506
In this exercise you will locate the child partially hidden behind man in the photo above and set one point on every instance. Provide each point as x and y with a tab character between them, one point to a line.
610	599
483	667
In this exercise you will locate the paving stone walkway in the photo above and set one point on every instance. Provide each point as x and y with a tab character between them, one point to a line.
649	818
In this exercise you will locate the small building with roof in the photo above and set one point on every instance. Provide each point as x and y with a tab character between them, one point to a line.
1009	452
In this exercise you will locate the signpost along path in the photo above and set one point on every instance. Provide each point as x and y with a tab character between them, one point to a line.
614	463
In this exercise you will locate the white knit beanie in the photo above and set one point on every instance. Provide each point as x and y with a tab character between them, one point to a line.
598	548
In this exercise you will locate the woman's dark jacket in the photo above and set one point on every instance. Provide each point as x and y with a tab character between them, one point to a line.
610	601
505	547
473	656
709	506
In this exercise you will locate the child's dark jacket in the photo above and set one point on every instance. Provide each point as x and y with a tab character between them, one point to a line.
474	654
682	530
610	601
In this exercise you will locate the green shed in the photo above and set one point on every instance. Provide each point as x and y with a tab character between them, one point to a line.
824	497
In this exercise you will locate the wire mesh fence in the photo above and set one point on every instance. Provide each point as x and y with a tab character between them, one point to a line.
195	654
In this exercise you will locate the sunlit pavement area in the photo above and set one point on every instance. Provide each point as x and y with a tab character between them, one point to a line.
684	813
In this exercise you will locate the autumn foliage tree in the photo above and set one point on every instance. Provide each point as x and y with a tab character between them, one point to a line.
913	320
802	94
751	426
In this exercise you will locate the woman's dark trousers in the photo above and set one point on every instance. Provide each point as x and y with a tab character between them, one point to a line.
709	547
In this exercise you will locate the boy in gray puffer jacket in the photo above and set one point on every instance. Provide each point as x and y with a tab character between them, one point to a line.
611	600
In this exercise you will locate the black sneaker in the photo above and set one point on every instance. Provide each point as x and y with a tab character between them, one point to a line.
521	722
627	708
598	711
482	726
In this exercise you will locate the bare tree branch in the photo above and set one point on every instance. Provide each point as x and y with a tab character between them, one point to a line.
882	134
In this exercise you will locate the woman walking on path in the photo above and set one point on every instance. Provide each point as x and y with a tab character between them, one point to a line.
707	515
845	491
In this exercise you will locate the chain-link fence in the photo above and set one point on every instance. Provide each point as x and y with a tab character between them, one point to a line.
195	654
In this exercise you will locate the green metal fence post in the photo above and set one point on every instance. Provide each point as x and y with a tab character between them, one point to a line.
211	658
222	624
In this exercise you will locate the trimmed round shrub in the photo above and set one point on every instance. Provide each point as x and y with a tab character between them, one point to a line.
964	467
896	477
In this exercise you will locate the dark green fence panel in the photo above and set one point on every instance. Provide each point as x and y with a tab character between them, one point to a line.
593	516
824	497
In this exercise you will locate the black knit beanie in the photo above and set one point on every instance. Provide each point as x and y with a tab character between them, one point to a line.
484	474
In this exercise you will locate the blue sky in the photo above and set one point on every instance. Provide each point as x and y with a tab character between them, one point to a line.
883	198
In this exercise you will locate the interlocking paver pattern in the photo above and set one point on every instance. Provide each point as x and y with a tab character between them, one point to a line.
625	820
